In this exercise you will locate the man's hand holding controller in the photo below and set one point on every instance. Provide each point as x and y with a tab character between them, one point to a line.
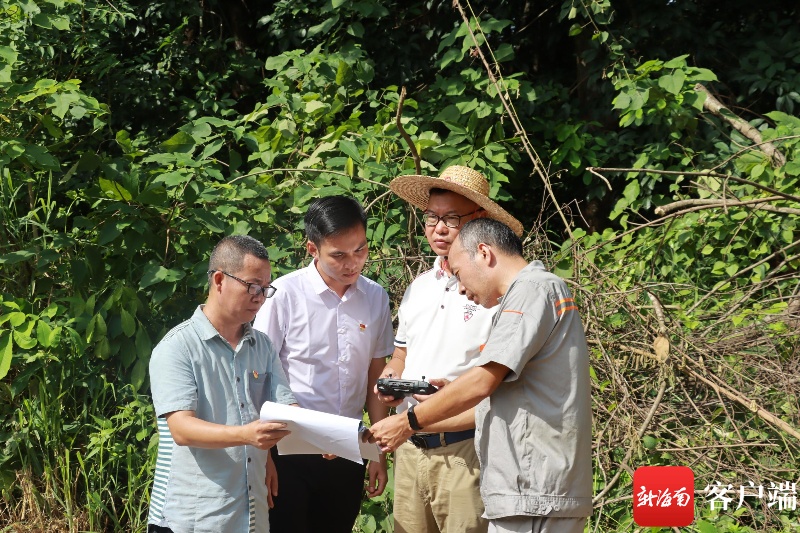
392	391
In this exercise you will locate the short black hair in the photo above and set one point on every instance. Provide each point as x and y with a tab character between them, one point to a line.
491	232
228	255
333	215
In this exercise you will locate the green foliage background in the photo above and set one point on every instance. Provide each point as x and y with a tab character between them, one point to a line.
134	136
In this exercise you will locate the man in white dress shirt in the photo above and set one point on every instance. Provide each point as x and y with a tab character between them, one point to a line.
332	329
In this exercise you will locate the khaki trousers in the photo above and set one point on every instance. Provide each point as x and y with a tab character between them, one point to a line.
438	490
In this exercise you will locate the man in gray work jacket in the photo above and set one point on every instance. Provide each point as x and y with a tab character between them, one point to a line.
530	384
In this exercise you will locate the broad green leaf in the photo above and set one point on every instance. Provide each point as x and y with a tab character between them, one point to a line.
128	323
467	106
42	20
139	373
114	190
504	52
8	54
356	29
622	101
315	105
350	148
672	83
109	232
211	148
277	63
792	168
43	333
703	74
96	328
61	102
343	72
51	310
143	344
40	157
102	349
16	257
210	220
173	179
200	131
452	55
454	127
155	273
59	22
77	111
706	527
322	28
632	191
126	350
5	74
677	62
263	216
181	142
6	352
24	341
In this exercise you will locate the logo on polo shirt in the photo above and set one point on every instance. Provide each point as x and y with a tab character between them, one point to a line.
469	310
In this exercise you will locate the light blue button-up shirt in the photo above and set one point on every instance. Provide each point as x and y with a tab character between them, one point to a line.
194	369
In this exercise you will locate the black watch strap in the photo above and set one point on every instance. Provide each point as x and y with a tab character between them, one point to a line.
412	419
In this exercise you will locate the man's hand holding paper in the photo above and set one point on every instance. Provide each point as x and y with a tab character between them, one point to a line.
315	432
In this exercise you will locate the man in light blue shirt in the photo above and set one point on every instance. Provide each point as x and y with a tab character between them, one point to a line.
209	377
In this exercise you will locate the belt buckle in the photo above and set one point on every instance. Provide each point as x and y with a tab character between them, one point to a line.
418	441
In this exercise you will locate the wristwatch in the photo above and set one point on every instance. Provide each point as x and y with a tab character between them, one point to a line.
412	419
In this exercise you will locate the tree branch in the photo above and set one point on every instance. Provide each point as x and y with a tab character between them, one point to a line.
406	137
700	173
710	203
523	136
715	106
661	388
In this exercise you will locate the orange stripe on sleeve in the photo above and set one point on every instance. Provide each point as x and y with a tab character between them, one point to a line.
512	311
570	308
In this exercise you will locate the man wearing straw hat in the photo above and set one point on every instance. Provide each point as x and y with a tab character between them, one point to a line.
439	336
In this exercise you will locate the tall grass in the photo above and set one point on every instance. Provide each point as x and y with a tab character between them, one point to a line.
83	450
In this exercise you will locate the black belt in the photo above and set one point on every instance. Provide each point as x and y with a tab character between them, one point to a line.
427	441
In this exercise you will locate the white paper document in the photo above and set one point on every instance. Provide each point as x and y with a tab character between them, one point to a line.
317	432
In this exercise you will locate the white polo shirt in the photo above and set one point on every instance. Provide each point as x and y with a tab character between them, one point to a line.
441	329
327	343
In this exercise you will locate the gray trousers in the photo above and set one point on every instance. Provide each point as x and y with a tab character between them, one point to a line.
536	524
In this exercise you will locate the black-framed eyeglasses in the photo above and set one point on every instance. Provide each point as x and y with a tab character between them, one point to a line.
451	221
252	288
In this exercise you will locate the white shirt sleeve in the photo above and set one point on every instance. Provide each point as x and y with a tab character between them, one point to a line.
270	319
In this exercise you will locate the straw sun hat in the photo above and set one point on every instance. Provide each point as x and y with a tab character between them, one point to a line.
461	180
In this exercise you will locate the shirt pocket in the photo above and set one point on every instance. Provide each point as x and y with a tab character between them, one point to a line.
258	388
